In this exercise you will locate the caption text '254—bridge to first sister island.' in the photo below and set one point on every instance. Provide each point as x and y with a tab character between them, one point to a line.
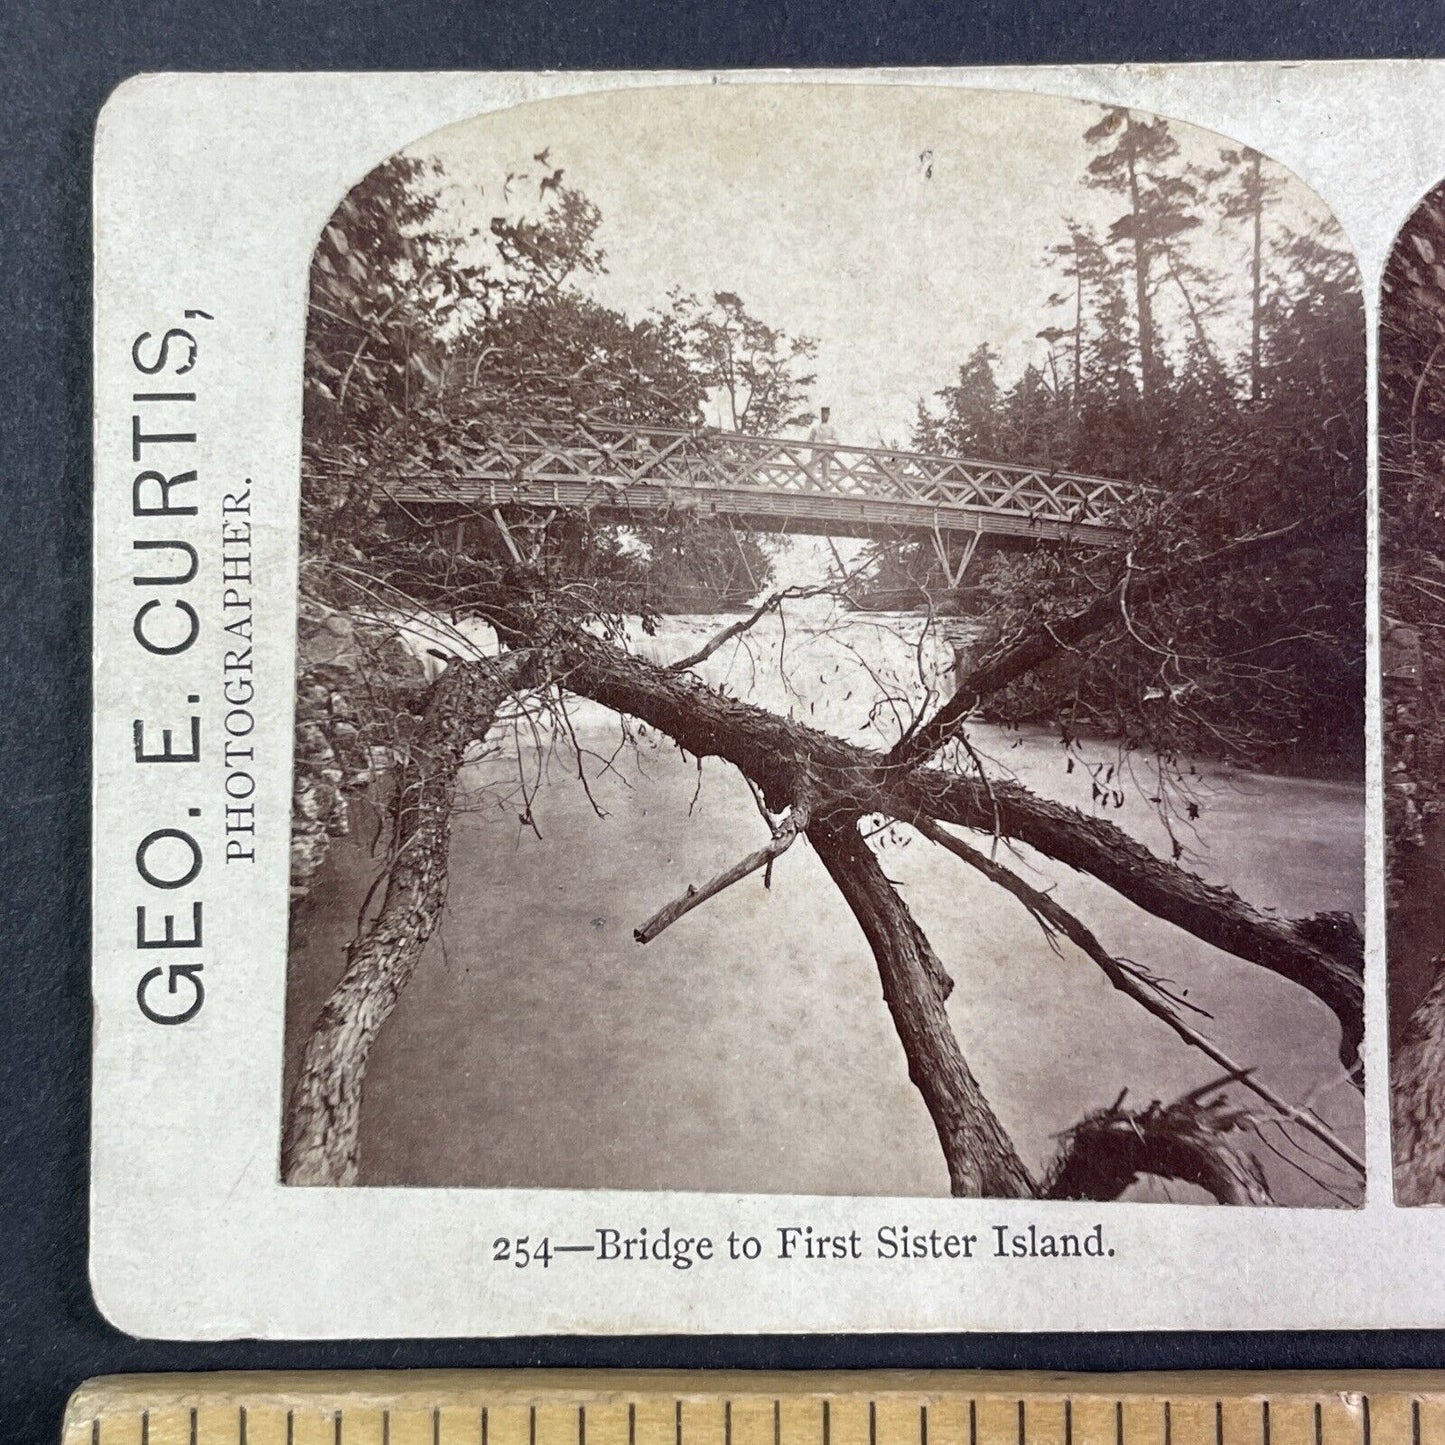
769	482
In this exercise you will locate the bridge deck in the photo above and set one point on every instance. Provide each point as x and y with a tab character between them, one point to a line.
772	482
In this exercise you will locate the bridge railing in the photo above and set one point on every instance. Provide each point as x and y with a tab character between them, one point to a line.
618	457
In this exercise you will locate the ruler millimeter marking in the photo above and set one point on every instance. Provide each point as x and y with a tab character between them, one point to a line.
687	1408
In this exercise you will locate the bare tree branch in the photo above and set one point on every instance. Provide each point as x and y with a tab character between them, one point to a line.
783	837
1052	915
743	624
1102	1155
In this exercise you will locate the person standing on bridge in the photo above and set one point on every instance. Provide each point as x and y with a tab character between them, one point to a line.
823	432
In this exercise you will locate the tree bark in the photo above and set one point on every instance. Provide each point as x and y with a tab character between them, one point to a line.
320	1137
981	1158
1418	1103
1102	1156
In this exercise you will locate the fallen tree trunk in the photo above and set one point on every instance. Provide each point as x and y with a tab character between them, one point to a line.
980	1155
788	761
1323	954
319	1142
1131	980
830	785
1102	1155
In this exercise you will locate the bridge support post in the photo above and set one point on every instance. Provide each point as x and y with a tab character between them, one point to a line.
952	573
506	532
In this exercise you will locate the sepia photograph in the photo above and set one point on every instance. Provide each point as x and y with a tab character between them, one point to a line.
830	659
1412	665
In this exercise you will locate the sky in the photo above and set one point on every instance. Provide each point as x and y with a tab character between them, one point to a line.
900	226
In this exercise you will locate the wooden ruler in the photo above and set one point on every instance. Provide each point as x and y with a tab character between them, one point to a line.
699	1408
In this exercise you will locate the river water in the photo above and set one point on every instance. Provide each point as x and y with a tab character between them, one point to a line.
748	1048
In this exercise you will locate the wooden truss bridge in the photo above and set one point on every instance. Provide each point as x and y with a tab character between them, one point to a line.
772	483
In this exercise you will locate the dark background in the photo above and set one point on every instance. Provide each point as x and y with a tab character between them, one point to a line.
57	64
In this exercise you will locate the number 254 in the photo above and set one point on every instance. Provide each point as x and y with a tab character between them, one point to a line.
520	1252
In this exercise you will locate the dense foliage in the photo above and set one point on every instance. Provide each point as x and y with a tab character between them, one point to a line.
1260	664
426	341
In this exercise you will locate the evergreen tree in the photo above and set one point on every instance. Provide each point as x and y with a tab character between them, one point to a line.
1246	189
969	425
1132	163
